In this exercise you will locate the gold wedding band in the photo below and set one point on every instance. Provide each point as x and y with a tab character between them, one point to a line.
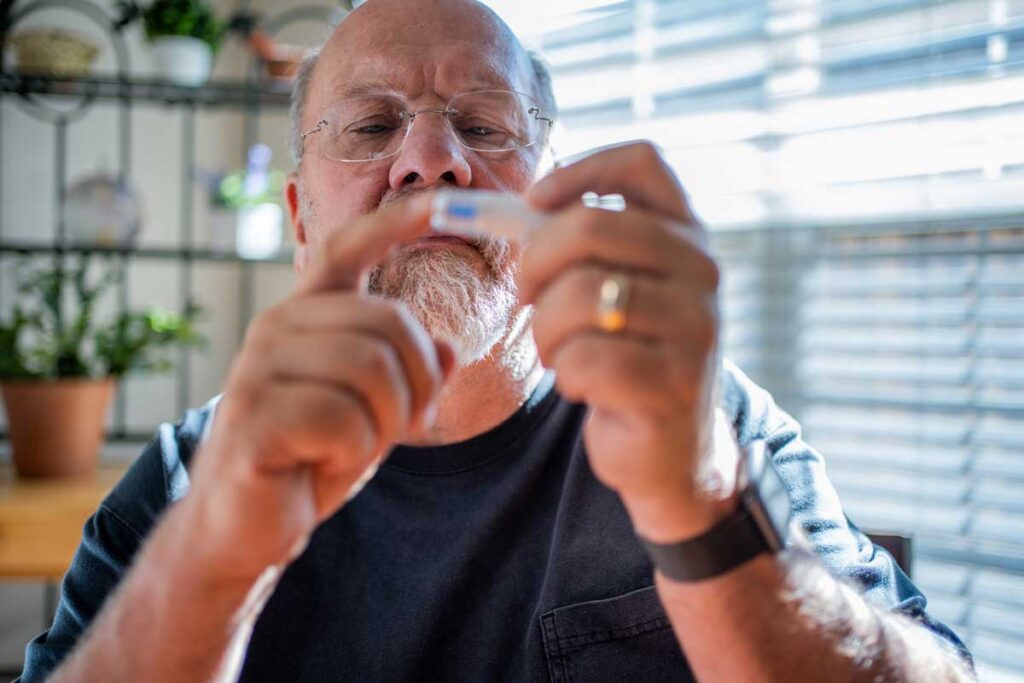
613	302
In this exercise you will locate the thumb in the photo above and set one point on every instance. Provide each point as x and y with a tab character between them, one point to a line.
352	249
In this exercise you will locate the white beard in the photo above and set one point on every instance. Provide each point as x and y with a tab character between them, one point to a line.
446	293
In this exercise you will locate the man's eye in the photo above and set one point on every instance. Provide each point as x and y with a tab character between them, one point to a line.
480	127
480	131
371	125
372	129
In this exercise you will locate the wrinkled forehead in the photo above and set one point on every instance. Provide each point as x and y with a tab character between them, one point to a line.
424	62
415	75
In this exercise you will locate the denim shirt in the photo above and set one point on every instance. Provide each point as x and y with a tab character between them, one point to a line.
497	558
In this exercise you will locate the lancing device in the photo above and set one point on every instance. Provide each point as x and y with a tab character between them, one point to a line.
493	214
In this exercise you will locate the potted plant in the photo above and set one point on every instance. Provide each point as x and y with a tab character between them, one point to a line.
58	366
185	35
246	214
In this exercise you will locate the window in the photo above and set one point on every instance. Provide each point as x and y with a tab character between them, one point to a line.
860	164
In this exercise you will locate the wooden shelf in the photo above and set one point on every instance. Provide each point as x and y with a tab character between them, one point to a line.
172	253
241	94
41	520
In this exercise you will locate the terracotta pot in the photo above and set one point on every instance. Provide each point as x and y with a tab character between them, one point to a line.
56	426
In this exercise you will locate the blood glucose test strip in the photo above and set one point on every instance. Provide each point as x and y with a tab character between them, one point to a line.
482	212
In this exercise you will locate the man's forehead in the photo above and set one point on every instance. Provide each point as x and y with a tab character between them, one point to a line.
415	71
426	49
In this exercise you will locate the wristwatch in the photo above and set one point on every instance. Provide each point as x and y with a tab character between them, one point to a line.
759	525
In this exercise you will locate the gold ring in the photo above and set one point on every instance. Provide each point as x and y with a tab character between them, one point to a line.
613	302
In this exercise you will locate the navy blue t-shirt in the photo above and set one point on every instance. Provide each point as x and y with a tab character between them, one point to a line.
500	558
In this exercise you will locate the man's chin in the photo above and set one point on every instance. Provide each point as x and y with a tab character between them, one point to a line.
445	290
407	261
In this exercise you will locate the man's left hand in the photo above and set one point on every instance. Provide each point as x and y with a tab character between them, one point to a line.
649	385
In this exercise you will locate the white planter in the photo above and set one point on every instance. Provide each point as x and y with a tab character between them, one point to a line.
183	61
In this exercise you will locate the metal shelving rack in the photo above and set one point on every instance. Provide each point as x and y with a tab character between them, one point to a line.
250	96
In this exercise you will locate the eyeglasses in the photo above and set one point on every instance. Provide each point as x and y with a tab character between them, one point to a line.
370	128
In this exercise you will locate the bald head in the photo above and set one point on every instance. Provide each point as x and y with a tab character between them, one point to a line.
387	26
413	47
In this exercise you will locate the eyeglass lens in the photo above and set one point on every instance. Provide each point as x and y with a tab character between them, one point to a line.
375	127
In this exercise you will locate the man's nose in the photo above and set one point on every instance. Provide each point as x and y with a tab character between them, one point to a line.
431	155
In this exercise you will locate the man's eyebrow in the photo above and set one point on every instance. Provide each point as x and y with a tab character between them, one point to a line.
360	88
482	81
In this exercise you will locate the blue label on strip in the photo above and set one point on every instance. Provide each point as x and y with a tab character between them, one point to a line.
457	210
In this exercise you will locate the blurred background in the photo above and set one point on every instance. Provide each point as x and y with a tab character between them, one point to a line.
858	163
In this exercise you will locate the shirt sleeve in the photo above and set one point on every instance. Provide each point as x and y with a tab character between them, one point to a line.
844	549
113	535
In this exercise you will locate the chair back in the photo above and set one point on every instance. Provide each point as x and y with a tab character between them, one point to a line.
899	546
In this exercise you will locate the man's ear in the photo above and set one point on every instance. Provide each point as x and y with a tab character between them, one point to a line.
292	201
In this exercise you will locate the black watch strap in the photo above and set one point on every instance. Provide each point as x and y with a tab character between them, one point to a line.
723	547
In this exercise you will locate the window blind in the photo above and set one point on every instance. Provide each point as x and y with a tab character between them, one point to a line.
860	164
790	109
900	348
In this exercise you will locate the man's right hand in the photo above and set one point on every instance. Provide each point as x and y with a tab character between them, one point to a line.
324	385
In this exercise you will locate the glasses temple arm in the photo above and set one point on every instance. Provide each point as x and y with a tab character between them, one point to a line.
319	126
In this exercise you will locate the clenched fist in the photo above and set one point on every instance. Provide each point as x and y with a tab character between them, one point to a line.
648	377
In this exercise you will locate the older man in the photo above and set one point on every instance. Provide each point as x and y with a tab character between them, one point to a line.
507	537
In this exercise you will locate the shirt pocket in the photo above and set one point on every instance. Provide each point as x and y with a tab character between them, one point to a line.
624	638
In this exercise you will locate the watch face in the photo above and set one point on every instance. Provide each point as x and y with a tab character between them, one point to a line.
768	499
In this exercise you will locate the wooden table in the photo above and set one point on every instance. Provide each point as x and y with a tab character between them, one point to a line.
41	521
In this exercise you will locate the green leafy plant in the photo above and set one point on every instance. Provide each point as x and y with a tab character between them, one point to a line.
46	338
187	18
229	193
